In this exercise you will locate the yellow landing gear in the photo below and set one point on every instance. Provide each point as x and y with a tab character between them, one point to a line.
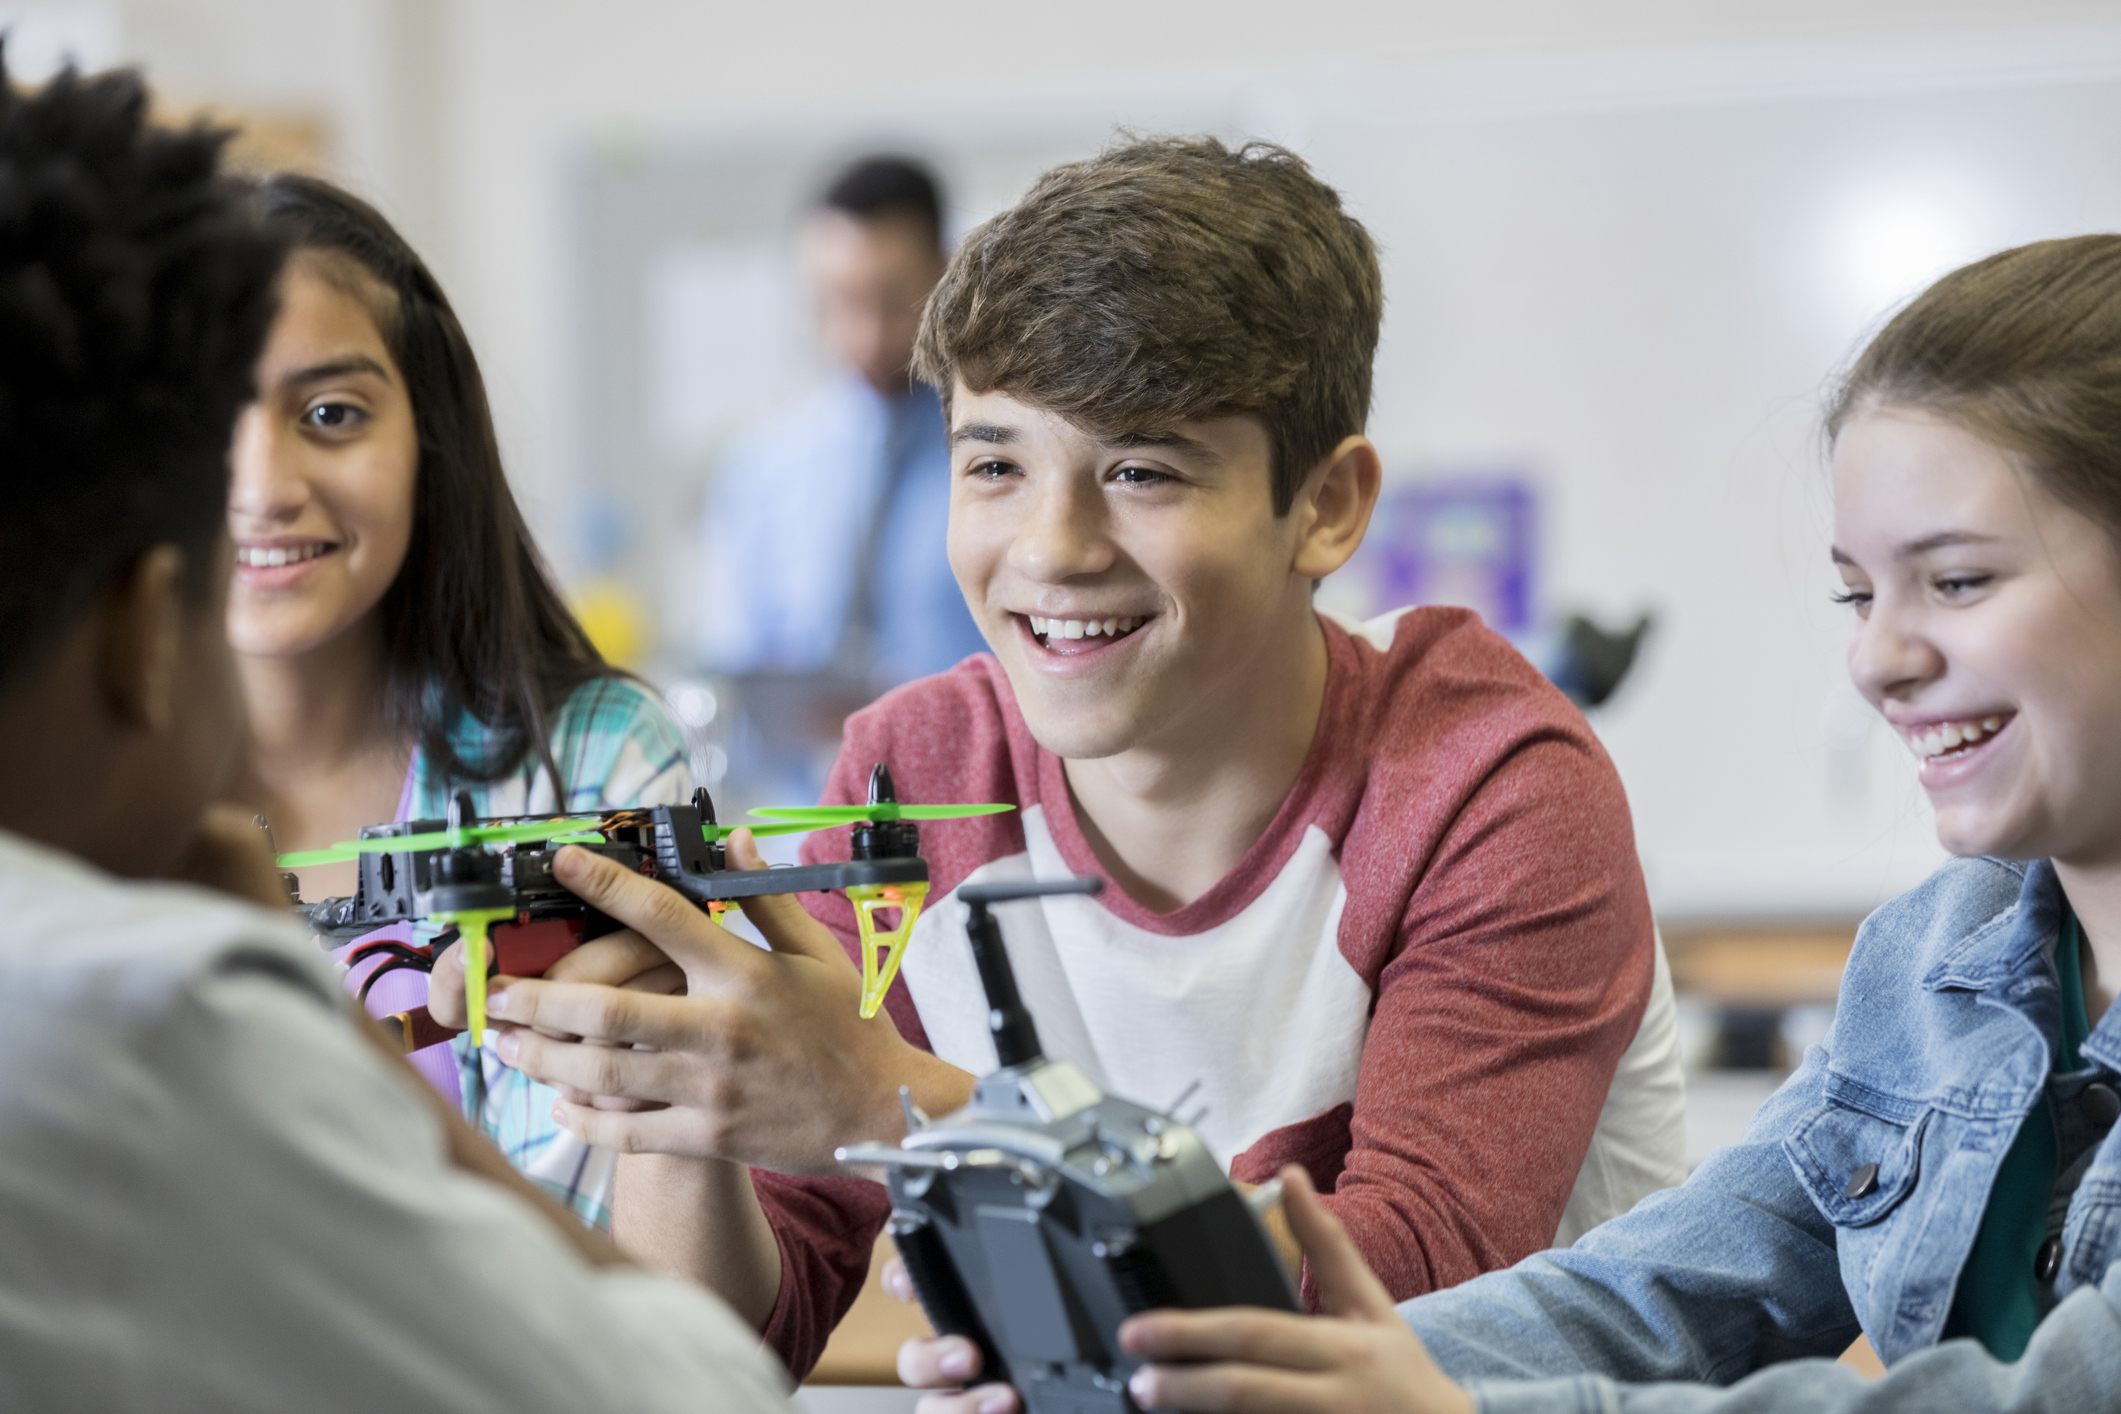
868	901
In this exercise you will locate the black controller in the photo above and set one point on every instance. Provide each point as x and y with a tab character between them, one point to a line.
1044	1213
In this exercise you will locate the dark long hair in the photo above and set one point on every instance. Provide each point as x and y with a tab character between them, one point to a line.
473	623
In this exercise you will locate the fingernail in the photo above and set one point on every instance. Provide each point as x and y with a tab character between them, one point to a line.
505	1045
994	1404
957	1364
1142	1386
497	1002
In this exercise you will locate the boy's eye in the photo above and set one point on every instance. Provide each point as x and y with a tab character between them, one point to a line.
990	470
1139	475
333	417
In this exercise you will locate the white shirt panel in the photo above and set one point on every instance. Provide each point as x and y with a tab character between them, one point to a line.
1263	1011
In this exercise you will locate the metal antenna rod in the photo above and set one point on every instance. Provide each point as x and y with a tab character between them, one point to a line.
1015	1034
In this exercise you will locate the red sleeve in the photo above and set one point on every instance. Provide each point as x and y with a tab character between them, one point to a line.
826	1228
1522	968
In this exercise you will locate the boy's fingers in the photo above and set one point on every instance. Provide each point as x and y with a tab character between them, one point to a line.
623	1016
665	1131
445	989
1232	1333
1346	1285
657	912
940	1362
898	1281
612	960
1231	1389
593	1070
781	920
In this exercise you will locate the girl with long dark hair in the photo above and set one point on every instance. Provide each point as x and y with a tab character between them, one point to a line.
399	636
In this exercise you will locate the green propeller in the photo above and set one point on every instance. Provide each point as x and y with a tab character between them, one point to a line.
717	833
819	816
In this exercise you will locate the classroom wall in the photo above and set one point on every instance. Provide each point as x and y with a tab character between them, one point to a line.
1593	268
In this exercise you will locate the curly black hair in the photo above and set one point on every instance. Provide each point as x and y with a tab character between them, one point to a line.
136	289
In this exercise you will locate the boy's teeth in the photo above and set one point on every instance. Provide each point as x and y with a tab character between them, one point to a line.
1083	628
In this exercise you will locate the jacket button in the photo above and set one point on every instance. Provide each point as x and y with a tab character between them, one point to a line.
2047	1262
1863	1182
2101	1103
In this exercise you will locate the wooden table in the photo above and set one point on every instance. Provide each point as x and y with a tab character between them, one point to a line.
1759	966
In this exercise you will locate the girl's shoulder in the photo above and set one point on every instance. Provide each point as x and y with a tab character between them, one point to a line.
1950	913
613	739
617	746
1907	1018
608	709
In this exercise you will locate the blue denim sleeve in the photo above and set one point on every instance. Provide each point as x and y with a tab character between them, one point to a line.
1707	1299
2072	1366
1733	1270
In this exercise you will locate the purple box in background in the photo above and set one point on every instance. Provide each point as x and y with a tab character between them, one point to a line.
1464	540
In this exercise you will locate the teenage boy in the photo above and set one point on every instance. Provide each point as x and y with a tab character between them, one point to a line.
216	1190
1371	889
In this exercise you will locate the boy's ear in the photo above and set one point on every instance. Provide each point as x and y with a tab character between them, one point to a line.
143	637
1334	507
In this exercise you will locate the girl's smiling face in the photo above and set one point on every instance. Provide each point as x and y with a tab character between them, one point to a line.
321	496
1988	633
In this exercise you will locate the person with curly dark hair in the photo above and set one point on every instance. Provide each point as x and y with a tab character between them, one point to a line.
217	1189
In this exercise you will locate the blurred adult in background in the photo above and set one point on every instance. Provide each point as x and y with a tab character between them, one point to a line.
827	522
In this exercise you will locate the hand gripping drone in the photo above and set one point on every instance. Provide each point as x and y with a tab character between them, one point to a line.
1044	1213
493	880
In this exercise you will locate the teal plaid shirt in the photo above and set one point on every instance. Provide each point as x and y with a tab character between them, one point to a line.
617	748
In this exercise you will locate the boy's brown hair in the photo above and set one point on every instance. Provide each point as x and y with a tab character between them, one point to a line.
1170	280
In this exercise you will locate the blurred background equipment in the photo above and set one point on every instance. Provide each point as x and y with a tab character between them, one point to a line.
1588	662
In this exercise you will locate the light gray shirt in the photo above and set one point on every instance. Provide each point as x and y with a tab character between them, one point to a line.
215	1195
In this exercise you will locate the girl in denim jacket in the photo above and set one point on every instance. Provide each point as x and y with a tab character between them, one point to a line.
1941	1176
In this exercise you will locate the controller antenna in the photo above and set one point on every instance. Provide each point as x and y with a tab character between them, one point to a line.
1015	1034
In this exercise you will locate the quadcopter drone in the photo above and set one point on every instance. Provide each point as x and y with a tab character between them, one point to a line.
491	881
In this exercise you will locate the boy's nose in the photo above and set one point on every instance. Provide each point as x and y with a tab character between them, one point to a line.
1065	534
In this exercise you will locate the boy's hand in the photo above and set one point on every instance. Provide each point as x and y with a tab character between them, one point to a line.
764	1059
230	853
1361	1357
944	1363
621	959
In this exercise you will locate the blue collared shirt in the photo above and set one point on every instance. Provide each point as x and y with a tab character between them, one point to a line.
792	507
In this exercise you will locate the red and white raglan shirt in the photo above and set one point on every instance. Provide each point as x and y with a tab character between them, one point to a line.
1433	981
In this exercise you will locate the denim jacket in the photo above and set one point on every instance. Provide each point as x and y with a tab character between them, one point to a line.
1770	1252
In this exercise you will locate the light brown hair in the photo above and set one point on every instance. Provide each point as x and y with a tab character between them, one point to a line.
1170	280
2022	349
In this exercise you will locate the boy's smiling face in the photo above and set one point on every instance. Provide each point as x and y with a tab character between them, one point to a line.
1165	540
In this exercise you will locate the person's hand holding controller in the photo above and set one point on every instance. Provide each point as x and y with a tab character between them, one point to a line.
1360	1358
